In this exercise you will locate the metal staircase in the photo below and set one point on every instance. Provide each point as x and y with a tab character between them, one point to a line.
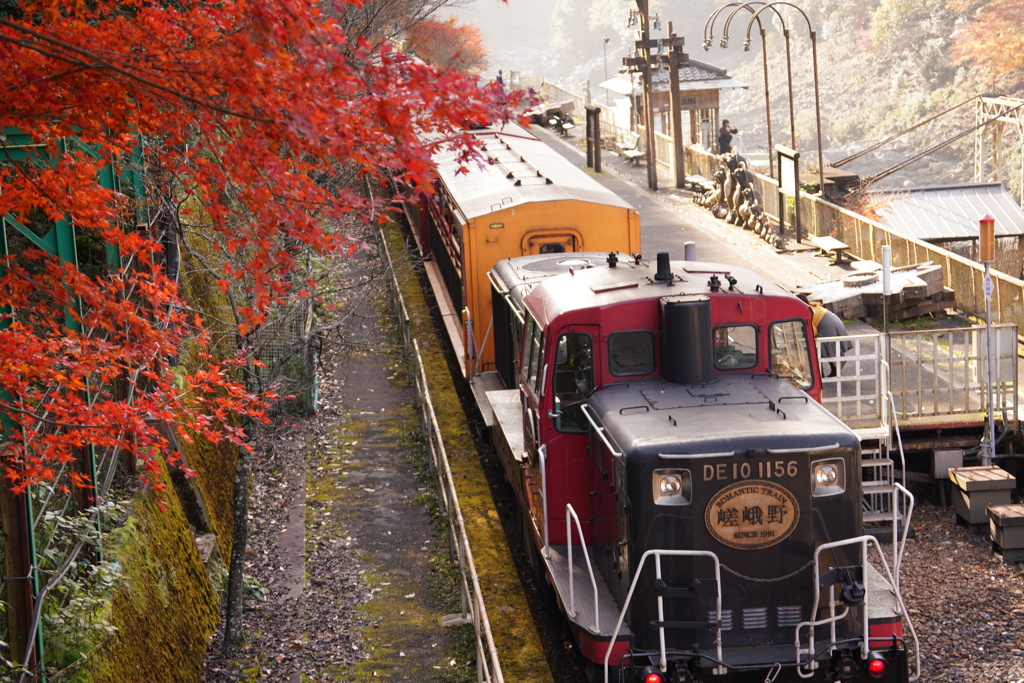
878	480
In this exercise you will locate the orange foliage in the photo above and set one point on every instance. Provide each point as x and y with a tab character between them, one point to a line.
992	42
447	45
245	104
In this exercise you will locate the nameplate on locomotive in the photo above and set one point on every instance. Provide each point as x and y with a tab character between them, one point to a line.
752	514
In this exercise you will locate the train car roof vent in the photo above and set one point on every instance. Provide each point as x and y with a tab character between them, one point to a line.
714	284
613	259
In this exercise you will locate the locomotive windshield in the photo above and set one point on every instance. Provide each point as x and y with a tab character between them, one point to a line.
631	353
790	352
735	347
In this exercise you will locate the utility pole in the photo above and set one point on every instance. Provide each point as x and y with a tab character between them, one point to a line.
675	57
641	62
644	63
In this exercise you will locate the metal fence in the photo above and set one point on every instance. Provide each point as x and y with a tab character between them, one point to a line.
866	238
473	609
288	352
935	377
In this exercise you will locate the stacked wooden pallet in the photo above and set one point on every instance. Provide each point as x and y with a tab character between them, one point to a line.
916	290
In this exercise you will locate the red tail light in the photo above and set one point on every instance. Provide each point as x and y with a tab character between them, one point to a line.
877	666
654	677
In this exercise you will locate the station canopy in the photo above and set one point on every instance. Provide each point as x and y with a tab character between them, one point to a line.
949	213
693	75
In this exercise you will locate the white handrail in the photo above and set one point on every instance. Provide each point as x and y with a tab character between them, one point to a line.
599	429
864	542
571	517
657	554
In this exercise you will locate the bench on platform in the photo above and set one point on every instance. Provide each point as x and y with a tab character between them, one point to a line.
629	148
699	183
832	248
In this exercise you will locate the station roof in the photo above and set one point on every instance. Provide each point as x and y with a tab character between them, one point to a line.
693	75
951	212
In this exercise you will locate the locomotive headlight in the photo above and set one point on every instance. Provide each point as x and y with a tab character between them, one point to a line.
828	477
672	487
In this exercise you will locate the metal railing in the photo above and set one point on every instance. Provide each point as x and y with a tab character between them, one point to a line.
570	519
658	554
891	576
934	376
473	608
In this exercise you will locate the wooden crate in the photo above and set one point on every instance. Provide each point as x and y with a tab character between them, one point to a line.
1006	529
979	487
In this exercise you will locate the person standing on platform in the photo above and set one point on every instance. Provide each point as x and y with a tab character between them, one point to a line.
825	323
725	134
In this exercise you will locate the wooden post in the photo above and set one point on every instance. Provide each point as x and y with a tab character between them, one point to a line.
14	517
676	56
594	137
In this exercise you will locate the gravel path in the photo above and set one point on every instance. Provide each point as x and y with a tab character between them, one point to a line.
966	603
342	541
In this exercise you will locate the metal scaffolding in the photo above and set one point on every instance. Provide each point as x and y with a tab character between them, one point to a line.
992	114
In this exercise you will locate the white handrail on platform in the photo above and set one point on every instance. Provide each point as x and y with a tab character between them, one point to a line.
569	518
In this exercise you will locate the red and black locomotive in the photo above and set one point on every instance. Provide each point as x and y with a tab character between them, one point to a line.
695	509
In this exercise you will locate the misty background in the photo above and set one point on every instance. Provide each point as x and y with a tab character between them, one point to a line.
884	66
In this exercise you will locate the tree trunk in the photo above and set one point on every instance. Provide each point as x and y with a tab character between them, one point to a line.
233	631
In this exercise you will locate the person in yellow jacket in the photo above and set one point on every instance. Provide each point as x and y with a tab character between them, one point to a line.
825	323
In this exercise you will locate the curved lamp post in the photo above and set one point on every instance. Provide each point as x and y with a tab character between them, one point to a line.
709	37
814	58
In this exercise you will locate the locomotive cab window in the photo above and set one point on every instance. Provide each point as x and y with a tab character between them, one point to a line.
735	347
532	352
631	353
790	353
574	380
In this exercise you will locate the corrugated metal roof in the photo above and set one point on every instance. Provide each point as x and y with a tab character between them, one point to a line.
692	76
936	214
517	171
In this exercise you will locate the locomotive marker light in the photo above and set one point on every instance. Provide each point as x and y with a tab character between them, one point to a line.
877	666
987	239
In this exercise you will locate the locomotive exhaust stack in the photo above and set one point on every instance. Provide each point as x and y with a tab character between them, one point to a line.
686	353
664	269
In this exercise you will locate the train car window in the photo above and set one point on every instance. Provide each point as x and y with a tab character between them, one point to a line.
790	352
735	347
556	248
574	380
535	341
631	353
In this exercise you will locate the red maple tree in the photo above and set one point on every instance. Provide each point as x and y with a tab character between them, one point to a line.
244	106
448	45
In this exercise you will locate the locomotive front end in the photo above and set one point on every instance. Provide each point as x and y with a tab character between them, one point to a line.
740	553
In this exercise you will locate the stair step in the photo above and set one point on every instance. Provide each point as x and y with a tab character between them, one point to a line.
880	517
